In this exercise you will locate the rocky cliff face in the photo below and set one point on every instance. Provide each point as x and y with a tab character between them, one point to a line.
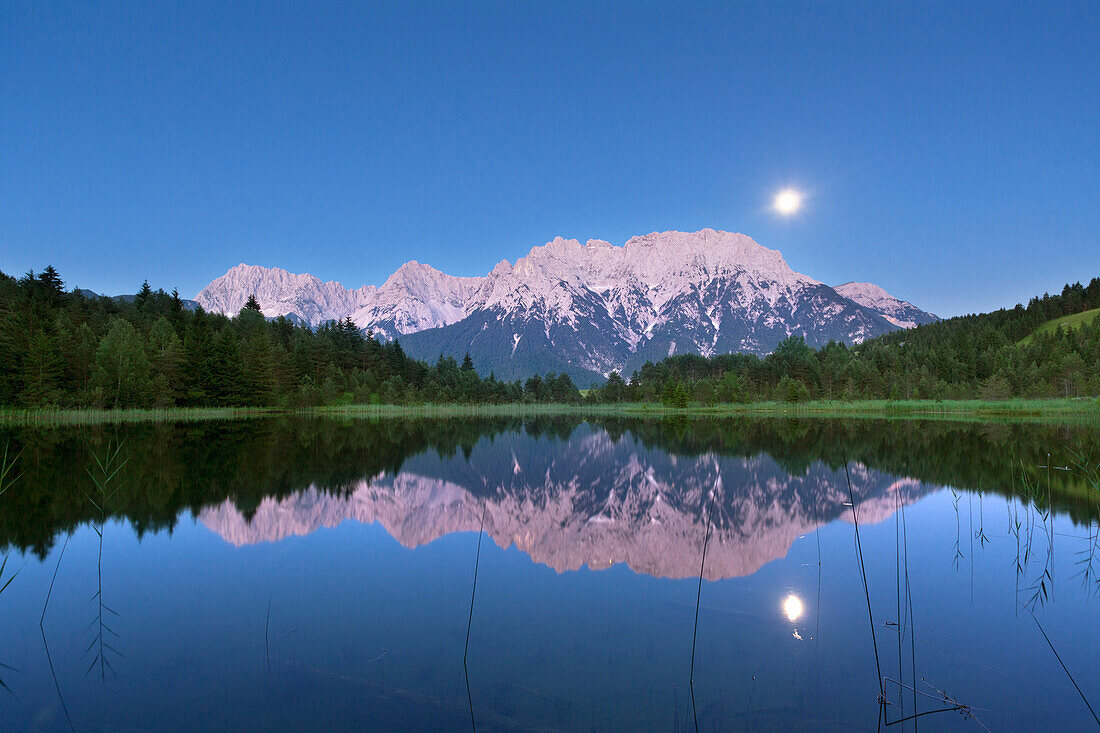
588	309
592	502
414	298
901	313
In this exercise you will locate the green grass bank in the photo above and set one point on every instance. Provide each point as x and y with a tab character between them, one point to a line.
1069	411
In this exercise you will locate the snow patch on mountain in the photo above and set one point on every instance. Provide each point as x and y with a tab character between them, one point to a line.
414	298
901	313
590	308
282	293
594	504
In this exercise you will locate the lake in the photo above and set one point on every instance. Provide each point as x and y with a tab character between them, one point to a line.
550	574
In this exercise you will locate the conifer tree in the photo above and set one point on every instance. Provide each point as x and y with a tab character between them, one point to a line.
143	299
51	282
41	371
258	374
168	358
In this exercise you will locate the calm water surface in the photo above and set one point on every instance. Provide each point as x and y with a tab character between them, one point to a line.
282	575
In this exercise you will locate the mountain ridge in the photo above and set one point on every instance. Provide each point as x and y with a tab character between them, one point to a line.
587	309
593	501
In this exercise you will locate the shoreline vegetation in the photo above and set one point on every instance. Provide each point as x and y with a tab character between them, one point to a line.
175	467
95	359
1057	410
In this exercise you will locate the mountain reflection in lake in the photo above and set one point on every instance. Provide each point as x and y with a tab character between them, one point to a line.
287	574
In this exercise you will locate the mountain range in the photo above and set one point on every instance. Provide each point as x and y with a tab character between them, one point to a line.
587	309
594	501
187	304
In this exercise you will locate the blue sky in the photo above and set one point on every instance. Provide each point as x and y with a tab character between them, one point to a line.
949	150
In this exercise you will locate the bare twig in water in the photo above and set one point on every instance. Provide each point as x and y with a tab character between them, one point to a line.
698	595
267	634
1064	667
7	465
470	620
56	684
3	565
953	705
958	529
42	630
866	591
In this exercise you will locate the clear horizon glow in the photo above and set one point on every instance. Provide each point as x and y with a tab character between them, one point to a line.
172	142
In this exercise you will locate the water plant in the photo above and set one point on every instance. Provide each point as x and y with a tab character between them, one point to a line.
470	620
104	479
958	529
1089	557
7	478
7	467
698	596
1042	588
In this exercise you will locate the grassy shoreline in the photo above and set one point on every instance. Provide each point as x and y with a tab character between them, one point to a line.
1070	411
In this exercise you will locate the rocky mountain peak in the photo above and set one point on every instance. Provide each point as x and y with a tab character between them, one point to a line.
587	309
901	313
590	502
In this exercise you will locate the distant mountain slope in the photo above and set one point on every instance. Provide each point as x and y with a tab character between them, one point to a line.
188	304
899	312
587	309
590	502
1009	325
415	297
282	293
591	309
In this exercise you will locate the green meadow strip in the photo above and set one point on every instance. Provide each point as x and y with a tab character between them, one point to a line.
1069	411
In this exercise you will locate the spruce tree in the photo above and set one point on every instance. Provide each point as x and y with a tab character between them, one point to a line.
168	358
51	281
41	371
143	299
258	374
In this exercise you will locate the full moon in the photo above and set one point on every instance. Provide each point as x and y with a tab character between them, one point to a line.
792	607
788	201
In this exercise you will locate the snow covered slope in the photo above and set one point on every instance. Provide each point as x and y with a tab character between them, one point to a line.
901	313
588	309
593	308
414	298
592	502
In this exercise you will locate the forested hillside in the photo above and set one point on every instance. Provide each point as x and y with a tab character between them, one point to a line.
65	349
974	356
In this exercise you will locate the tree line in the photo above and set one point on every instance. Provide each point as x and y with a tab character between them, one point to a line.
983	356
66	349
172	469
